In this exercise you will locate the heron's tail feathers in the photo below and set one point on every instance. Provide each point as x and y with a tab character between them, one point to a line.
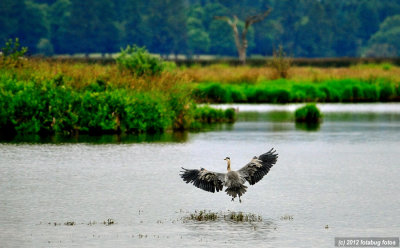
236	191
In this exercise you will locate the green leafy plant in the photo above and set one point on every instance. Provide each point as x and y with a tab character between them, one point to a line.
139	62
12	53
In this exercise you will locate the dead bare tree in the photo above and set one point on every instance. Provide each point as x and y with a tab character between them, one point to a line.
241	39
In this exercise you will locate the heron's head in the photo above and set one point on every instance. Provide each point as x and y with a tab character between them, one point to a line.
228	159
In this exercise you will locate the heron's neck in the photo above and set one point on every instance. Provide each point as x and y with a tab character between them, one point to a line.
229	165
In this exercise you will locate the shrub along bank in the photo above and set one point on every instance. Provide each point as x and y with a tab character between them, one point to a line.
51	106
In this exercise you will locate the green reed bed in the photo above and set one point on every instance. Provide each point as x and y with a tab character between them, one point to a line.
287	91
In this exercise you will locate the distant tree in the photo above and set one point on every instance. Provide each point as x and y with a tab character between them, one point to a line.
221	39
166	21
241	37
59	14
198	38
385	42
133	29
90	27
346	41
33	25
368	17
25	20
265	42
313	20
9	17
44	47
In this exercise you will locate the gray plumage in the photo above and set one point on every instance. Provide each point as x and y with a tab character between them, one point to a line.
234	181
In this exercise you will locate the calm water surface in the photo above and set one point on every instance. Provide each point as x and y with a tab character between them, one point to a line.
338	179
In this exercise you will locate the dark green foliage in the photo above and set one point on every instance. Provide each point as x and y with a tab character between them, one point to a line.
206	114
237	94
284	91
386	92
139	62
52	107
214	92
146	113
182	107
308	114
344	28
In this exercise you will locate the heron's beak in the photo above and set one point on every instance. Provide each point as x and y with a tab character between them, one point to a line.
224	158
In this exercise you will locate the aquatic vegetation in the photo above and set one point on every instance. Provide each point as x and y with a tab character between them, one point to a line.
243	217
204	215
287	217
308	114
109	222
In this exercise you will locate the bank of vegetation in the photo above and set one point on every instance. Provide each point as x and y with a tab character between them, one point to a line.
42	97
141	94
359	83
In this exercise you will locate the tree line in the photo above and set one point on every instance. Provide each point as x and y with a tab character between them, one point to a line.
304	28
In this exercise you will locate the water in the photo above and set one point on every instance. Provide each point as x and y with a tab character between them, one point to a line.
338	179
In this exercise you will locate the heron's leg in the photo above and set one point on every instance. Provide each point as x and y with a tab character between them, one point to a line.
240	200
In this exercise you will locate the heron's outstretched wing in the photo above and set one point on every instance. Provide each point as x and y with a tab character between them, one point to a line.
204	179
258	167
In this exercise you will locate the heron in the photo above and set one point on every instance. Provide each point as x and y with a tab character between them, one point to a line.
234	181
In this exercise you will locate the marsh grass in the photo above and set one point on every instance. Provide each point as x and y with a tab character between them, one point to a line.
107	222
243	217
287	217
204	215
253	75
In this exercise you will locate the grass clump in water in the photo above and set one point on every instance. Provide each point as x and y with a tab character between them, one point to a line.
308	114
287	217
243	217
109	222
203	215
